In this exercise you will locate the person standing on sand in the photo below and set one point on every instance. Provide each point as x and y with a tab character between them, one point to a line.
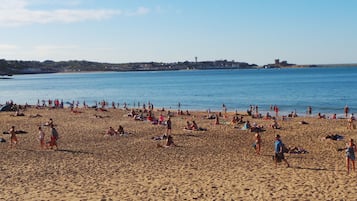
54	137
279	153
168	126
258	143
350	155
350	122
13	138
346	110
41	137
309	110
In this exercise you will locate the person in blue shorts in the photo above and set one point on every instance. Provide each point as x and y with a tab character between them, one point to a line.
279	153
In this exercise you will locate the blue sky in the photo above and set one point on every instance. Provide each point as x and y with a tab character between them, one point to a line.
119	31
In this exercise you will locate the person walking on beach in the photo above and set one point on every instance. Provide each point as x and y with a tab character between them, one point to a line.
279	152
54	137
13	138
41	137
350	155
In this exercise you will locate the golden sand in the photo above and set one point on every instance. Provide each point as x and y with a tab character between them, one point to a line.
217	164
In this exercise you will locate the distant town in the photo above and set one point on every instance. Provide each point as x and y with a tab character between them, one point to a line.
13	67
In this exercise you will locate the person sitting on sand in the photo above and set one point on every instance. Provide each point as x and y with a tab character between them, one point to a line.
267	116
334	116
234	120
246	125
194	126
161	119
49	123
120	130
350	155
188	125
111	131
275	125
320	116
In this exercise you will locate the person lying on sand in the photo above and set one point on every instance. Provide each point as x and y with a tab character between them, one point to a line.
333	137
100	116
35	116
297	150
303	122
257	128
17	114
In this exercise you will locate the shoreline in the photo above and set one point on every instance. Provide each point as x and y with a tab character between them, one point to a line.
262	112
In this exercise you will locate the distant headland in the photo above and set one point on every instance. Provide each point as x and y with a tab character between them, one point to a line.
13	67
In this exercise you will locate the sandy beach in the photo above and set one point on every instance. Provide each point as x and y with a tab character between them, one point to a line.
217	164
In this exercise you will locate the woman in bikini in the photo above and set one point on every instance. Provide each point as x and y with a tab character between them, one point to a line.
258	143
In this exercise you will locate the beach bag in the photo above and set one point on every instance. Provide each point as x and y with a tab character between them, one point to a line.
354	126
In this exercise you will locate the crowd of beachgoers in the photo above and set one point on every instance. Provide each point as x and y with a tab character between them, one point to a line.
114	138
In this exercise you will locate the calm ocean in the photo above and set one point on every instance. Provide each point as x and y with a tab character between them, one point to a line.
327	90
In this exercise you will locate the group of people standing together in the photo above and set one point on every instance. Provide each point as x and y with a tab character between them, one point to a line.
41	134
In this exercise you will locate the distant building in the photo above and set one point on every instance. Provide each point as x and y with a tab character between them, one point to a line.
278	64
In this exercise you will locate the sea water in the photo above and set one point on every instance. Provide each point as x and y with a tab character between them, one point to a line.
326	90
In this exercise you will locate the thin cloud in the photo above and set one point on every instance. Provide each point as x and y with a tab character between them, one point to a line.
18	12
7	47
139	11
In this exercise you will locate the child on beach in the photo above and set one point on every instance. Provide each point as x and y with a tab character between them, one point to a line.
13	138
350	155
41	137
